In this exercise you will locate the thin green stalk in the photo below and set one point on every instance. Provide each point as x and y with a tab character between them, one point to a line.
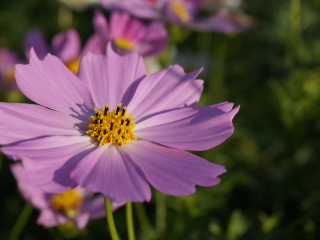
161	213
21	222
295	19
110	220
130	224
142	216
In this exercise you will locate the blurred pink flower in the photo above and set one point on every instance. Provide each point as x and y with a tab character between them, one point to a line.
119	149
65	45
77	205
127	34
178	11
8	60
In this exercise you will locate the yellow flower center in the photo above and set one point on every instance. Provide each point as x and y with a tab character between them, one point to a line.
73	65
124	43
67	202
112	126
181	11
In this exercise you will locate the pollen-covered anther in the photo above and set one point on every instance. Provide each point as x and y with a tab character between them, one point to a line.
114	126
66	202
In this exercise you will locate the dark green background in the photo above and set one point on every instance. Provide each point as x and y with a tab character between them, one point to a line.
272	187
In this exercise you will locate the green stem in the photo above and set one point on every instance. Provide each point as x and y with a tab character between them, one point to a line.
142	216
295	6
21	222
130	224
110	220
161	213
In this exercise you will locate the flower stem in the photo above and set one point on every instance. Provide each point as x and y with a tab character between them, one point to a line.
161	213
130	225
21	222
110	220
142	216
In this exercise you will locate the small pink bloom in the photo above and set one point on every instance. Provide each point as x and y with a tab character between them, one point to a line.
127	34
183	12
65	45
81	135
77	205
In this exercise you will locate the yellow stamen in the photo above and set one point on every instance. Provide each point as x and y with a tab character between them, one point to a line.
181	11
112	126
124	43
73	65
67	202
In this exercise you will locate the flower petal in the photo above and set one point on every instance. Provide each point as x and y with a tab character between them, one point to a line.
95	206
198	129
136	8
21	121
221	22
164	90
67	45
49	218
100	24
51	84
29	192
147	38
81	219
95	44
107	171
172	171
119	23
111	78
152	39
49	161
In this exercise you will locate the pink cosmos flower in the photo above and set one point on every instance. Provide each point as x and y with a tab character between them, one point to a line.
127	34
81	135
65	45
8	60
177	11
77	205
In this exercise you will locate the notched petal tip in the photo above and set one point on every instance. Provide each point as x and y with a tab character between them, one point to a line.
180	68
231	114
33	56
35	59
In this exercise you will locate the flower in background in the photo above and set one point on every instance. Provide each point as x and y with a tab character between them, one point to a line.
112	129
177	11
8	60
77	205
127	34
65	45
232	8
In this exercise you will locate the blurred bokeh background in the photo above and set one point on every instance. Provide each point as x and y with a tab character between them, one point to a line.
272	187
